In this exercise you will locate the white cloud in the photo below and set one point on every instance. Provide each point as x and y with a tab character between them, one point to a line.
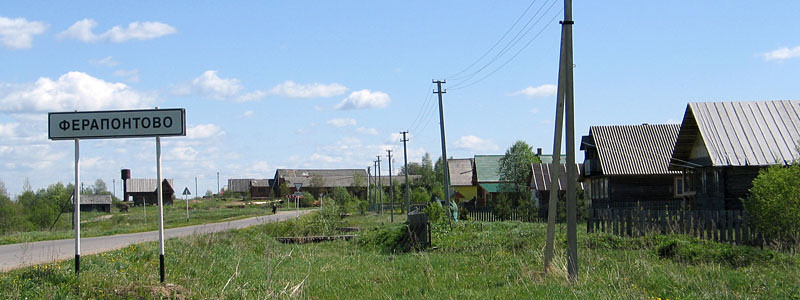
8	130
248	114
251	96
343	122
365	99
203	131
782	53
183	153
72	91
18	33
534	110
475	144
325	158
129	75
537	92
107	61
291	89
367	130
82	31
209	84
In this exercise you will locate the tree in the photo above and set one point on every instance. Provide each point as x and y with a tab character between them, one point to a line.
515	165
3	191
358	182
26	185
100	187
209	193
283	189
341	197
774	203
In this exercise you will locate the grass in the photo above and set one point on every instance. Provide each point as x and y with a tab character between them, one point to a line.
473	260
139	219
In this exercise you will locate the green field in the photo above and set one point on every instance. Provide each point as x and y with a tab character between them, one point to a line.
139	219
472	260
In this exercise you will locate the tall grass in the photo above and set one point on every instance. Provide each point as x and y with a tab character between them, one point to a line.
473	260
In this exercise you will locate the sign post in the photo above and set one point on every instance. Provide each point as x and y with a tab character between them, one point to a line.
186	193
117	124
298	195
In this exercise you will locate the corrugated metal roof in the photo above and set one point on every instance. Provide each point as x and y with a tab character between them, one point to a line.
548	158
331	177
92	199
487	168
260	183
239	185
460	171
742	133
634	149
145	185
541	174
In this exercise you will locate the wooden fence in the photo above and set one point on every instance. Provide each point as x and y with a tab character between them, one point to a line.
487	215
717	225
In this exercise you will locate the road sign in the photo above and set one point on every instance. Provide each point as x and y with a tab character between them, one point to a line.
298	186
186	192
116	124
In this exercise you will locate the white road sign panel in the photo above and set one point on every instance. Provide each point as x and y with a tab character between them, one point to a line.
116	124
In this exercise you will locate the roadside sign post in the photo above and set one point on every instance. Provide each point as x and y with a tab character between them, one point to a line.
117	124
298	195
186	192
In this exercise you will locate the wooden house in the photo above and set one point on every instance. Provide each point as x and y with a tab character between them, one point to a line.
487	179
462	171
321	180
721	147
257	188
628	166
100	203
145	191
540	179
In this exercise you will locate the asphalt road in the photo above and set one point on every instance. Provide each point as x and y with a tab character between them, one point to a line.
27	254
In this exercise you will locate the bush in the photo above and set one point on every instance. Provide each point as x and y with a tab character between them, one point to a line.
341	197
389	239
435	212
693	250
774	203
307	200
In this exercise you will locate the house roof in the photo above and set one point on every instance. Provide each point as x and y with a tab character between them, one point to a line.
146	185
633	149
260	182
460	171
739	133
548	158
541	174
497	187
92	199
239	185
487	168
331	177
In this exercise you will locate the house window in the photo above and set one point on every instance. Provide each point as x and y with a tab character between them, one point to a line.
679	186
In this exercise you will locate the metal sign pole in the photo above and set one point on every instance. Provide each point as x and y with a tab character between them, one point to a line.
160	207
77	212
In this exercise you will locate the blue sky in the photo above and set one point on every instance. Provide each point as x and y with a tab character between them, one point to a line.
312	84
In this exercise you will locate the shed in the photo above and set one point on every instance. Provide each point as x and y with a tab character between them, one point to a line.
145	190
540	180
721	146
93	202
628	165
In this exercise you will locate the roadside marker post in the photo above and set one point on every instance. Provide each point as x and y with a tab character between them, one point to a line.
186	192
114	124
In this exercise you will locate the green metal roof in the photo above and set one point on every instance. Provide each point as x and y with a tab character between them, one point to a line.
487	168
498	187
548	158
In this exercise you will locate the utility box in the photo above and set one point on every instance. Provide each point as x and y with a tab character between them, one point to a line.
419	230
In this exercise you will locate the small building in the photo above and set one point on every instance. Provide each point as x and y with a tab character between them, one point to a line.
628	166
321	180
540	180
487	179
239	185
462	171
258	188
721	146
145	191
94	202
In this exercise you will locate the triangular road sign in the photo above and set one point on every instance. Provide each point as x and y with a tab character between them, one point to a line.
186	192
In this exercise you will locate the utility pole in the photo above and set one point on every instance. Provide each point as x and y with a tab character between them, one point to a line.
380	185
375	182
369	182
217	184
195	187
565	100
445	169
391	187
405	162
114	184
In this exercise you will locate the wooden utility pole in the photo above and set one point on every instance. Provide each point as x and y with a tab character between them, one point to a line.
380	186
369	182
405	162
445	169
391	187
565	101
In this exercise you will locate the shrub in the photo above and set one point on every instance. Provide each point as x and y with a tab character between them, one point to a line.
693	250
389	239
774	203
435	212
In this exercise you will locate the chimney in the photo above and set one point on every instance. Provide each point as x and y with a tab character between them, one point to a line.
538	151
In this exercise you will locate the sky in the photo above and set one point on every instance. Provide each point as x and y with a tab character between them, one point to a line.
330	84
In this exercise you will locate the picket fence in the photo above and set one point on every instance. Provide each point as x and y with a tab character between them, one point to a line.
718	225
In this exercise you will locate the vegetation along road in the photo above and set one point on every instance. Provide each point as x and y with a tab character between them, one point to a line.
26	254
